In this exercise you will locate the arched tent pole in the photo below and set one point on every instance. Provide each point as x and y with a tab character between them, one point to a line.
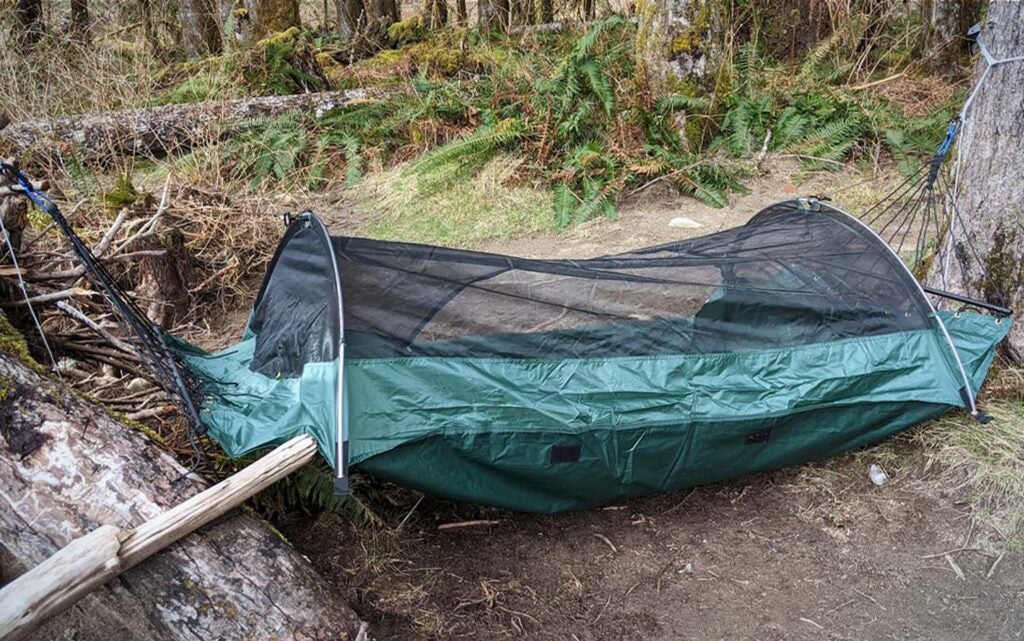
341	477
308	221
966	393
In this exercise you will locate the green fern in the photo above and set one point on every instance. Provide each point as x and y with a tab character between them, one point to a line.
484	142
813	70
565	205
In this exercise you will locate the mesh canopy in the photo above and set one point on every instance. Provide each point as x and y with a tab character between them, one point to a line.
791	276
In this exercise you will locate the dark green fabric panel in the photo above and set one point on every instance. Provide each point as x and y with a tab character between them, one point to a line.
394	401
484	430
976	337
514	469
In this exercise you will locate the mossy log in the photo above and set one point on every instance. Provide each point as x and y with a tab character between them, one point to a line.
67	467
160	130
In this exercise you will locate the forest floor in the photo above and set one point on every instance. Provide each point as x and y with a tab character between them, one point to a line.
815	552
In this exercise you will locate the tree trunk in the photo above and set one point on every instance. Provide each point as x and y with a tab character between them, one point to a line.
502	14
545	11
200	27
945	23
351	19
435	13
485	14
29	22
161	130
80	20
984	257
66	468
677	43
588	10
272	16
149	26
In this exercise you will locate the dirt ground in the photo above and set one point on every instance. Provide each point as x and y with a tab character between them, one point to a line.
645	217
816	552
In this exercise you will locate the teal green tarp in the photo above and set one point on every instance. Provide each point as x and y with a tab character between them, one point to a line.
486	430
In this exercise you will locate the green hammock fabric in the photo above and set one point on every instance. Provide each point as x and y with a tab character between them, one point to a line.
485	430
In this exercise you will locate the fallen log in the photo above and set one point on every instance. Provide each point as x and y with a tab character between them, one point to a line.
68	469
161	130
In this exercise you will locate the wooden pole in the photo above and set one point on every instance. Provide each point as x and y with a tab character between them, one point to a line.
91	560
51	587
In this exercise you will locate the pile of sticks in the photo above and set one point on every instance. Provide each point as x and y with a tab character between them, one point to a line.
46	293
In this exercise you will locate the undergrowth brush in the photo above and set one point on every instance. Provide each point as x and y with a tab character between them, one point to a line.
582	124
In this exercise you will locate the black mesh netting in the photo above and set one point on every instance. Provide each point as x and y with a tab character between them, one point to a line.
794	274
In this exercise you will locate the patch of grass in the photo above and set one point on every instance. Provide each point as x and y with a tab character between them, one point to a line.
440	210
986	460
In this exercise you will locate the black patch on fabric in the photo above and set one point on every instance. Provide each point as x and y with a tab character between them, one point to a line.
760	436
565	453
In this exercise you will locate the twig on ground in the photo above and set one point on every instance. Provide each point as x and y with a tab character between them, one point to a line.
73	292
956	568
870	598
607	542
814	623
867	85
409	514
841	606
80	316
462	524
995	564
681	501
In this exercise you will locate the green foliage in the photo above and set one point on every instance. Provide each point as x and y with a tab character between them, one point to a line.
200	87
312	488
122	194
571	106
283	64
585	121
407	31
811	116
270	149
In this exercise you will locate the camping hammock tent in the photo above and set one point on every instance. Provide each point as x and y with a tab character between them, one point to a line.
547	385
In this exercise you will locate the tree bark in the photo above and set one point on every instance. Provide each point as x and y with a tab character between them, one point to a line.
66	468
274	15
485	14
435	13
161	130
80	20
984	256
28	16
148	26
493	15
200	27
677	43
352	19
588	10
545	11
944	32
